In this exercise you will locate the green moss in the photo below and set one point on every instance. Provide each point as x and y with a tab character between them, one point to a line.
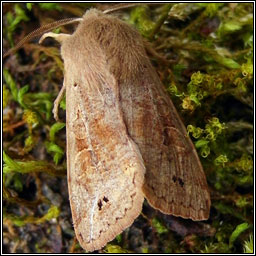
6	96
51	145
52	213
14	20
206	137
30	166
160	228
248	245
11	83
221	160
50	6
119	238
30	142
30	118
212	9
140	17
115	249
54	149
144	250
54	129
236	233
63	103
216	248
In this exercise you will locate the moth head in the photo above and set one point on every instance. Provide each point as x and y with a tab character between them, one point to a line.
49	27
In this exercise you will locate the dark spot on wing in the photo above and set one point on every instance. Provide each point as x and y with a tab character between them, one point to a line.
80	235
105	199
100	205
181	182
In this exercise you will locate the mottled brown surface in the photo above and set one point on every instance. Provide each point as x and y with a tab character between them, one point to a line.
119	121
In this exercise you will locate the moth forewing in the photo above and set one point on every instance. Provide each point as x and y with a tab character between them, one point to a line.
105	167
175	182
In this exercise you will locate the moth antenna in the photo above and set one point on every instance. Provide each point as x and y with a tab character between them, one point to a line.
126	5
40	31
121	6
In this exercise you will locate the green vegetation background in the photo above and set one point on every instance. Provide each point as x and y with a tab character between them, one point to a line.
207	68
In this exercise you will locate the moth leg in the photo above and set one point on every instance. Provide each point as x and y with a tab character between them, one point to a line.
58	37
57	101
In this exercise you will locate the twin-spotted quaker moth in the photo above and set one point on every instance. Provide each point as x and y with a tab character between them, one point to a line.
125	140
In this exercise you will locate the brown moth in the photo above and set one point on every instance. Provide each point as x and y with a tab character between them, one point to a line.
125	139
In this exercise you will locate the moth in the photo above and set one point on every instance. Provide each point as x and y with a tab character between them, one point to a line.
125	139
